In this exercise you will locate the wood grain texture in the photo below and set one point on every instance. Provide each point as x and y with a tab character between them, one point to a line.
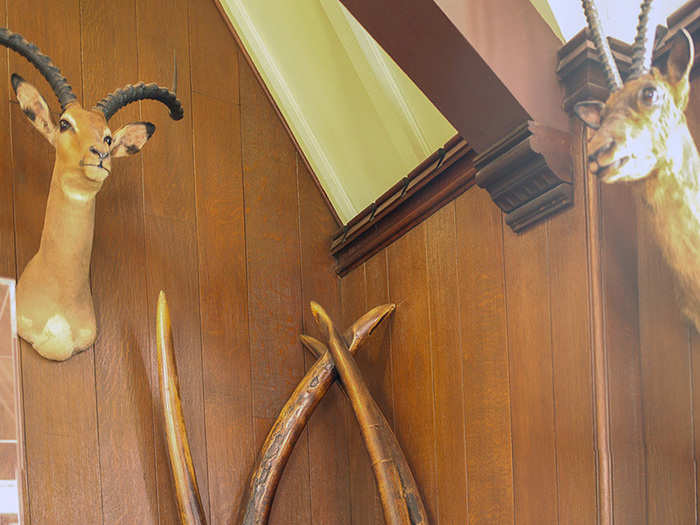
446	356
411	365
274	287
364	495
487	408
122	350
621	320
170	227
328	445
223	296
667	394
572	357
531	386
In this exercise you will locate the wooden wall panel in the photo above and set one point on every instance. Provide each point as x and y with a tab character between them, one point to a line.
122	357
170	227
329	471
571	359
7	207
485	359
530	354
274	287
667	392
364	496
446	357
411	363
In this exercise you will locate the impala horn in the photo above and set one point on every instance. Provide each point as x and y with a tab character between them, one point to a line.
601	43
128	94
643	46
39	60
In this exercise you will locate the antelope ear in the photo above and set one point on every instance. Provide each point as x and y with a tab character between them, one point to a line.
34	106
590	112
129	139
680	62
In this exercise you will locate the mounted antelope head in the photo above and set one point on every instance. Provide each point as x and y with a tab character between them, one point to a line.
54	304
641	137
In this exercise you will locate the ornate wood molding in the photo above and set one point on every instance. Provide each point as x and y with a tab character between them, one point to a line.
528	173
437	180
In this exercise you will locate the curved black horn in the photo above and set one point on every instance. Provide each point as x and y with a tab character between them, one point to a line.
643	46
39	60
601	43
128	94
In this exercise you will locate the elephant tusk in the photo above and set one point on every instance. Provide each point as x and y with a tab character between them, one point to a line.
401	501
189	503
292	419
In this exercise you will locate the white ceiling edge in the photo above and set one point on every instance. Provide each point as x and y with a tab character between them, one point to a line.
362	124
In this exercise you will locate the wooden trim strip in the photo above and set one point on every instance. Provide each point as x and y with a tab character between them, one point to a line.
442	177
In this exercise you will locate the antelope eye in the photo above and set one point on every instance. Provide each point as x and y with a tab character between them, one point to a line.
64	125
108	140
649	95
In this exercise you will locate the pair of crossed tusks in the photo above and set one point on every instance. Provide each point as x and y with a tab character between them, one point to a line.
401	501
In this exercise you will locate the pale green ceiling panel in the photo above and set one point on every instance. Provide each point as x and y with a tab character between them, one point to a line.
361	122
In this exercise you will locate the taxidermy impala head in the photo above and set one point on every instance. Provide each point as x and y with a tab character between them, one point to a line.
639	128
641	136
54	303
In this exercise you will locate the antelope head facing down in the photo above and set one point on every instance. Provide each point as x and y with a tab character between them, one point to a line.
84	143
638	127
641	136
54	303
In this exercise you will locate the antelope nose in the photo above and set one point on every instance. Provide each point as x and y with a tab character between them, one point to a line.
100	155
605	147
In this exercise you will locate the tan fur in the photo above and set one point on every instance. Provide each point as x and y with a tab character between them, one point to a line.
54	304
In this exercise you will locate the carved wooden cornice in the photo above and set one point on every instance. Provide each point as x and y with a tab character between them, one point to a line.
579	68
437	180
528	173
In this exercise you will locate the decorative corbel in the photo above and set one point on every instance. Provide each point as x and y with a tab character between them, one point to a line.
528	173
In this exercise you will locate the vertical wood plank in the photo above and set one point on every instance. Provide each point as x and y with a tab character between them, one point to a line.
447	359
485	353
169	204
530	355
364	496
619	268
571	353
214	66
59	399
224	303
412	369
665	359
122	357
328	446
274	288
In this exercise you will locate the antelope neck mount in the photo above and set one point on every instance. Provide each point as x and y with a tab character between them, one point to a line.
641	137
54	303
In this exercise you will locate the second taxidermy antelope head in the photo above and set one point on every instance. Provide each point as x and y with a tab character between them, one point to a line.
641	136
54	304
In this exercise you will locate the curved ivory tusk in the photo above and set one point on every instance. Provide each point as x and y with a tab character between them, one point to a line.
398	491
189	503
292	419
